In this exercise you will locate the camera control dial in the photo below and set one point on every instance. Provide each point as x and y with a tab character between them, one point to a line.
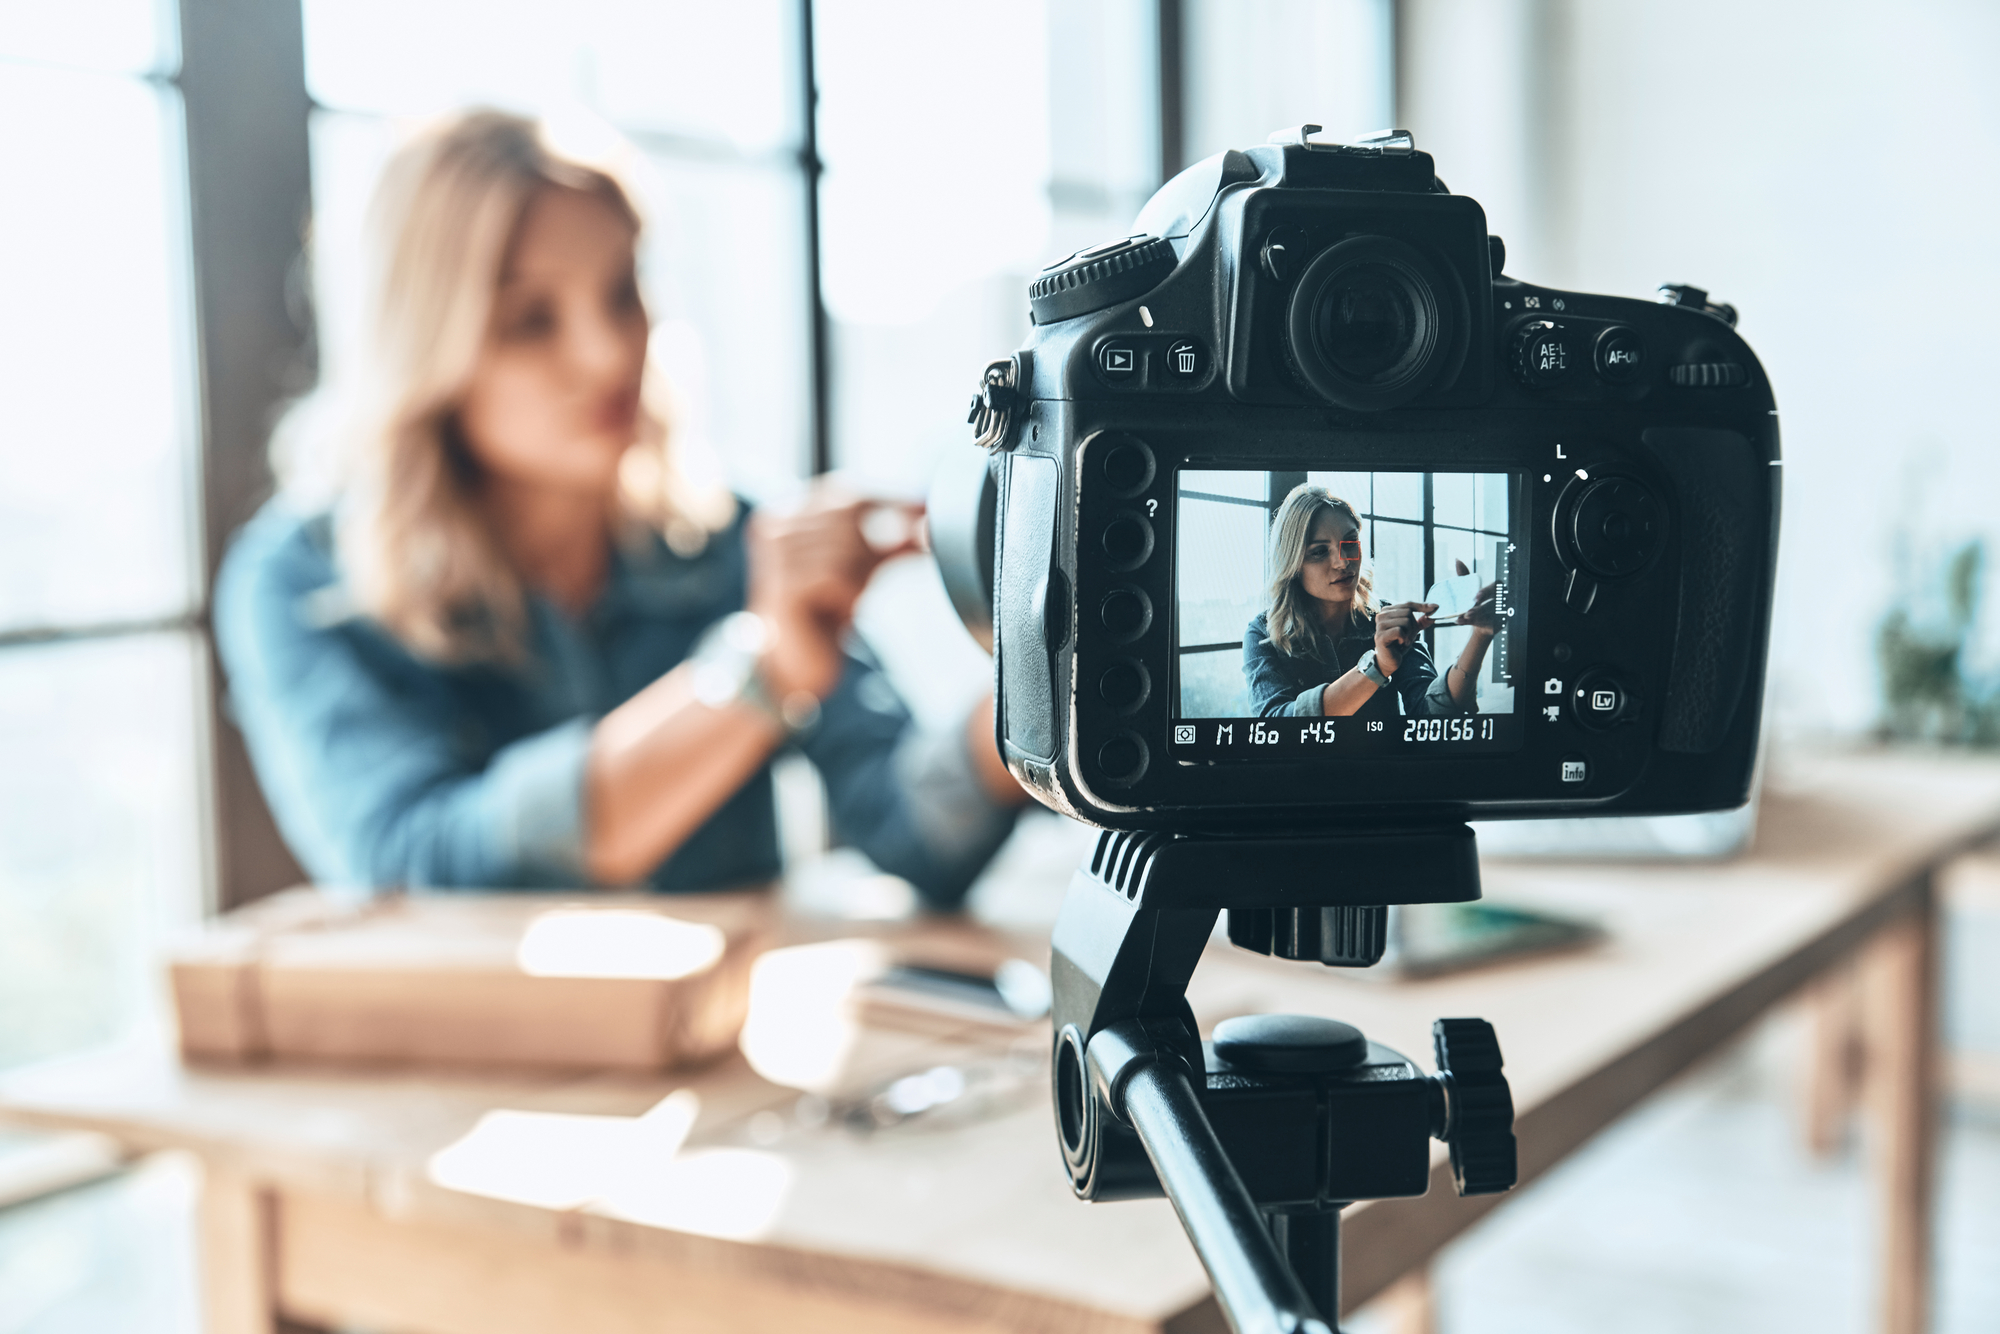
1100	277
1615	524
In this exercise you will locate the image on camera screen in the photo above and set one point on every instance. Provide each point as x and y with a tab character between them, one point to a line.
1287	582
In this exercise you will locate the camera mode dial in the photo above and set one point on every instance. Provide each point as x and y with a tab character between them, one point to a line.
1100	277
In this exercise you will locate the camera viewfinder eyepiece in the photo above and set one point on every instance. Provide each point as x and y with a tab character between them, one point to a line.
1368	322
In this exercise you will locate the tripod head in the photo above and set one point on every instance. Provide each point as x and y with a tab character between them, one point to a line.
1262	1135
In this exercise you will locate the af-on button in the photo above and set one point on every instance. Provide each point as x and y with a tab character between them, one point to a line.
1621	357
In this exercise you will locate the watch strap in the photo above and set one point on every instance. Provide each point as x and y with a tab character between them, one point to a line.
727	670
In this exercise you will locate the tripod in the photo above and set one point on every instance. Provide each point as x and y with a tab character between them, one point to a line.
1261	1136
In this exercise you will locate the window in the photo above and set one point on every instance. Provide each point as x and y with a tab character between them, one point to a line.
101	661
1252	69
966	147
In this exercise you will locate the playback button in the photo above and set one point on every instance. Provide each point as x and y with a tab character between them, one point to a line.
1117	361
1600	700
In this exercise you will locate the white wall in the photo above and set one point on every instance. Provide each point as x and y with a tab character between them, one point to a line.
1254	68
1830	168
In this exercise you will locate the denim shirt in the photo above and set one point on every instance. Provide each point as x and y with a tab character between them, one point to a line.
1282	685
384	768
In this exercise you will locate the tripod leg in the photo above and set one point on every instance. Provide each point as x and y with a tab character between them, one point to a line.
1253	1284
1311	1245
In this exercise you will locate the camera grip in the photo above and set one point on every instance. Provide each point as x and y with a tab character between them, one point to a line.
1724	580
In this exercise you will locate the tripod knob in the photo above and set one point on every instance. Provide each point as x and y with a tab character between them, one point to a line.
1348	936
1478	1120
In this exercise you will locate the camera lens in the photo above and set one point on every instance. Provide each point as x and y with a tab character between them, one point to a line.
1368	323
1366	320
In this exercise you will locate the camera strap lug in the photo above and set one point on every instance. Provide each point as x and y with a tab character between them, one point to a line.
993	406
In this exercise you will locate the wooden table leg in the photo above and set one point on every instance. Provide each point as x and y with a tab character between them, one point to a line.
1832	1074
1408	1305
237	1250
1899	987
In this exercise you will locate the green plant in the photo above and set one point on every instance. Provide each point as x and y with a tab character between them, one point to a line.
1927	694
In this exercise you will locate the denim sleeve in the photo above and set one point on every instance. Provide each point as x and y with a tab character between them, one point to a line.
1438	702
1420	686
1274	691
909	799
357	747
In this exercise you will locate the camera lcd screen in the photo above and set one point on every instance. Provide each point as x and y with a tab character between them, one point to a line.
1296	591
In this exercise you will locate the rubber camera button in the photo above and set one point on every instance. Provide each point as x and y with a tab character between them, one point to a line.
1122	759
1127	467
1621	356
1117	361
1575	769
1186	361
1125	684
1054	609
1543	354
1126	613
1599	700
1127	540
1290	1043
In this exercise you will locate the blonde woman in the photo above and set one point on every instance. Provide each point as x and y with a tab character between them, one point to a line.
506	643
1322	649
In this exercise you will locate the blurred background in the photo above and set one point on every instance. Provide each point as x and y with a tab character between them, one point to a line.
184	186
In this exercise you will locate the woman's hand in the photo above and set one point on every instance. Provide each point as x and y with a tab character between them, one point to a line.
1483	616
1396	628
808	566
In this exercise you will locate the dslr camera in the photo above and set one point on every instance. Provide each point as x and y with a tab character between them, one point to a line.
1592	479
1303	535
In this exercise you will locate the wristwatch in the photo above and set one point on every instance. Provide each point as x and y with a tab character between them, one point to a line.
726	662
1369	668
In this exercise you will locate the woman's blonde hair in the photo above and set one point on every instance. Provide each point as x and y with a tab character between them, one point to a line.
1288	616
381	443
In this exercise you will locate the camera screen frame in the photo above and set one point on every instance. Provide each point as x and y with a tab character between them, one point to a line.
1412	522
1118	751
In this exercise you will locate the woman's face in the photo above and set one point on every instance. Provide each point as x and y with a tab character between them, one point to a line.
1332	560
554	399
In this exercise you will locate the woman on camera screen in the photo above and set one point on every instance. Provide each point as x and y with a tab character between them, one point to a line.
489	634
1322	649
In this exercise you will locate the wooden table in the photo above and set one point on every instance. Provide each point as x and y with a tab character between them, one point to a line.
338	1197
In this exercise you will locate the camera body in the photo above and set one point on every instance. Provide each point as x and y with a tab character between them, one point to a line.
1591	483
